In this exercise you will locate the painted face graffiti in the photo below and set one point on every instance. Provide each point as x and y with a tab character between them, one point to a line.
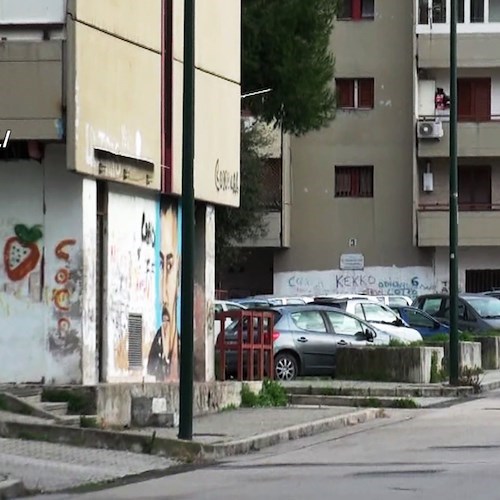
21	254
163	361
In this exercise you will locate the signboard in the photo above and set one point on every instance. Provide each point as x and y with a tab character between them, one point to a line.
352	262
32	11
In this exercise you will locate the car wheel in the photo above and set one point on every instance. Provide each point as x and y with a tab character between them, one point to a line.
286	367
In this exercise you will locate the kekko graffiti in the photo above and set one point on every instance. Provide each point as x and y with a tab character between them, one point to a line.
381	281
65	339
21	254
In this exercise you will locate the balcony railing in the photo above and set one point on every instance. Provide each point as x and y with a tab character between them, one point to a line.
462	207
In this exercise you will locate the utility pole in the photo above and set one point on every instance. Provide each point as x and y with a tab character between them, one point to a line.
453	360
188	216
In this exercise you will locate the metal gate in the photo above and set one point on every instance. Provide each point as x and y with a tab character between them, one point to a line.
482	280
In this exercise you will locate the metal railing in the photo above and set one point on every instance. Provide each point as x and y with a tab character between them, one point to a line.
463	207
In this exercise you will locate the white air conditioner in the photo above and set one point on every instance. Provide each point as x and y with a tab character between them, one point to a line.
430	130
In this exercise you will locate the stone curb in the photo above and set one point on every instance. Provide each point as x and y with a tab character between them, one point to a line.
186	451
11	488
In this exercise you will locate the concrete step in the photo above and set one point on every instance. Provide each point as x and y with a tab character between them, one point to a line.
369	402
55	408
69	420
437	391
31	394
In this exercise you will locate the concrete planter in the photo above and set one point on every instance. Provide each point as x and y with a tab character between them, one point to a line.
469	353
389	364
490	352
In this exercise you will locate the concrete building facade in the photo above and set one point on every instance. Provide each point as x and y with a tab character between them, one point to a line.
369	193
90	180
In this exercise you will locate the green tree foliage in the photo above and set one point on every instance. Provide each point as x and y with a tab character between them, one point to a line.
236	225
286	47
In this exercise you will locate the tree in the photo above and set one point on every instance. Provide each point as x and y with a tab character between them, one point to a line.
236	225
286	47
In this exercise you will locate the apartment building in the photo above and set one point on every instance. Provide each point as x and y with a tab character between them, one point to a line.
368	202
90	180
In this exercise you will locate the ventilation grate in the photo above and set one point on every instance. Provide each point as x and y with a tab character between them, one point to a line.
135	340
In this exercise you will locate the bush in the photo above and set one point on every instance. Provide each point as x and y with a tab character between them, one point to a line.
271	394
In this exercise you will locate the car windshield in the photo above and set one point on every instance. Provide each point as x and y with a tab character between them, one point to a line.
378	313
486	307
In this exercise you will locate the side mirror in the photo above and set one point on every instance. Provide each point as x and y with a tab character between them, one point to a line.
369	334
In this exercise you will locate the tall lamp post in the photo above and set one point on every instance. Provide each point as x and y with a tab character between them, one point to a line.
453	361
188	215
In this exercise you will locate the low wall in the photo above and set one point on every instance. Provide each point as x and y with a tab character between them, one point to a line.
389	364
490	352
114	401
469	353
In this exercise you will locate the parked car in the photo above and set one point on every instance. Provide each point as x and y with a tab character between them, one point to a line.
476	312
377	314
493	293
224	306
271	300
306	339
424	323
394	300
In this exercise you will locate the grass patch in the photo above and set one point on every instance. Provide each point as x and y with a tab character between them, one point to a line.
4	405
230	407
370	403
404	403
79	402
89	422
271	394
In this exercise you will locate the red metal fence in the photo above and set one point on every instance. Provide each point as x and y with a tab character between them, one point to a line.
246	348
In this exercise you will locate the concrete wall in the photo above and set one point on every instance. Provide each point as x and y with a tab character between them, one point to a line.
382	137
131	276
41	282
114	102
217	100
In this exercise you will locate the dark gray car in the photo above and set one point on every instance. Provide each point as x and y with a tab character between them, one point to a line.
306	339
477	312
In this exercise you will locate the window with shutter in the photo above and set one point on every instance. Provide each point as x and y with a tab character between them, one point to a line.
365	93
474	188
474	99
345	92
355	10
354	181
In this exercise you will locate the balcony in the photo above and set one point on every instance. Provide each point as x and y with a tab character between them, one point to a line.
32	109
475	139
475	228
474	50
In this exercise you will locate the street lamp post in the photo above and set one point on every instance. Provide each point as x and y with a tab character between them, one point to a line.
453	360
188	215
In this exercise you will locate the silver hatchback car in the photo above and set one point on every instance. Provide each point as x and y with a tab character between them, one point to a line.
306	339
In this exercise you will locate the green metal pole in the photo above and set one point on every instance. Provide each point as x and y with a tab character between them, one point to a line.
453	361
188	215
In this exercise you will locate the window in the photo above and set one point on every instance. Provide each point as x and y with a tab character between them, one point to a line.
474	99
379	313
494	10
231	307
309	320
474	188
358	311
432	305
355	93
355	10
417	319
344	325
477	11
354	182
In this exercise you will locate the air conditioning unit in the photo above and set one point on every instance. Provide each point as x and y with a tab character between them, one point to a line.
430	130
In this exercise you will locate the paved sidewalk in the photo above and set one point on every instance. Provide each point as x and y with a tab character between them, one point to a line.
244	423
50	467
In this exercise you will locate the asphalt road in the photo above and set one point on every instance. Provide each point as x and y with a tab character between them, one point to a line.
450	454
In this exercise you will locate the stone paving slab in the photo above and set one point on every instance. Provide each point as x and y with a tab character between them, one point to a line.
51	467
233	425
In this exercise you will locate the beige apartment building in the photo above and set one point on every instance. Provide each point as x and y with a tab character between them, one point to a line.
368	195
90	184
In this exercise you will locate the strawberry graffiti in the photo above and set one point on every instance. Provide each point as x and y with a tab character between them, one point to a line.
21	254
60	249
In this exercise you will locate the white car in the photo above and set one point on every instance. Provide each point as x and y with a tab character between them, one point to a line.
379	315
394	300
223	306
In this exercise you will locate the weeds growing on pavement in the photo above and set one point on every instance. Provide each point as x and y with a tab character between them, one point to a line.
271	394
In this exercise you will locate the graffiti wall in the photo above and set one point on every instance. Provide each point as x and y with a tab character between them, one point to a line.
410	281
132	242
164	348
40	271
